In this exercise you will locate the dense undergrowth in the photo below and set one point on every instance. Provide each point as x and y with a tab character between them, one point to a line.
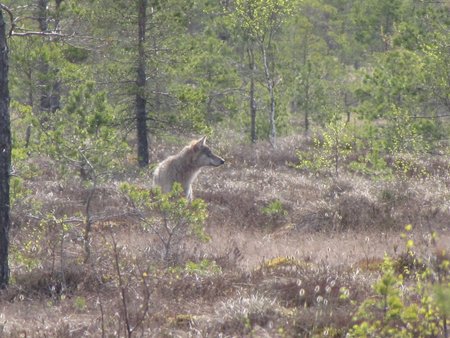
271	248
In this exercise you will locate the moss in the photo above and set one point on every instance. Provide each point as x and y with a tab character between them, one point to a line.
282	262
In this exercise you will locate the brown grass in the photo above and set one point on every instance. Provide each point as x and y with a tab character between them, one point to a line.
278	275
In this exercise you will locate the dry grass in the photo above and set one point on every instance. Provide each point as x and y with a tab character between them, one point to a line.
274	274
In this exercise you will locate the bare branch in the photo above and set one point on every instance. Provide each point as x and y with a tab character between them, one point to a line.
29	33
432	117
37	34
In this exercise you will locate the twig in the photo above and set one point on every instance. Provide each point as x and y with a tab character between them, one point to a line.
123	292
31	33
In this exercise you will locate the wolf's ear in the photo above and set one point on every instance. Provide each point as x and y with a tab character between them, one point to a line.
200	143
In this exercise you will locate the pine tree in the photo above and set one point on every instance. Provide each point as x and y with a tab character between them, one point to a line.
5	154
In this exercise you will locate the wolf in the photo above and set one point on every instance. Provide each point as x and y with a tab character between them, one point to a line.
185	166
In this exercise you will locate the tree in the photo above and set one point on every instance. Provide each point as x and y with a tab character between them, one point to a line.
83	136
261	20
252	100
5	154
137	56
308	73
141	113
308	63
5	149
374	22
48	85
170	216
206	81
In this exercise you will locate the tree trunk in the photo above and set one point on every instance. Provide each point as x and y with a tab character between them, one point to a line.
271	89
347	106
272	123
306	104
141	114
49	85
5	156
251	65
306	87
43	67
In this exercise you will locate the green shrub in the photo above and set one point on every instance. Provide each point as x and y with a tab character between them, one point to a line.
275	211
171	217
413	307
204	268
329	150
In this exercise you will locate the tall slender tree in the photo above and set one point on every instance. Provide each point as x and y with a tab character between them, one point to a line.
261	20
252	100
49	85
140	104
5	154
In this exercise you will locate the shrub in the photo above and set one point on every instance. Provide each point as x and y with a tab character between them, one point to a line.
171	217
203	268
275	211
399	309
330	149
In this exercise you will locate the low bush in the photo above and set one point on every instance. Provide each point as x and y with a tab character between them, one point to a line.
171	217
413	303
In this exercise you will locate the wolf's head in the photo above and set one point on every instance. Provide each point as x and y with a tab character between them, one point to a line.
203	156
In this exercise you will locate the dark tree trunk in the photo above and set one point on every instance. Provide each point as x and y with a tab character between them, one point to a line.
141	114
5	156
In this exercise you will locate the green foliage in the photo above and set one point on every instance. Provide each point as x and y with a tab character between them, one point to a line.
389	149
47	239
197	63
276	213
209	94
274	208
330	149
83	135
416	308
260	18
18	191
395	81
372	161
172	217
441	297
80	303
374	22
401	134
205	267
378	151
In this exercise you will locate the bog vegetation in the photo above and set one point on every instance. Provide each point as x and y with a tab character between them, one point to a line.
329	218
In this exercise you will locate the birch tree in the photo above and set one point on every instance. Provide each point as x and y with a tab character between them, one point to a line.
261	20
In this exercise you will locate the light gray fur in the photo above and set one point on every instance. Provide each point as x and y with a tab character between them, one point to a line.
185	166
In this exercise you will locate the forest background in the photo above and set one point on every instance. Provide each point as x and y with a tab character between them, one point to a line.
320	99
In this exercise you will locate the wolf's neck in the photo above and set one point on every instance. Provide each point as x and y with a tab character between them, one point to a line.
186	167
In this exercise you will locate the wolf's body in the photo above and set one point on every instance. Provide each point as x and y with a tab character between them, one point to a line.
185	166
